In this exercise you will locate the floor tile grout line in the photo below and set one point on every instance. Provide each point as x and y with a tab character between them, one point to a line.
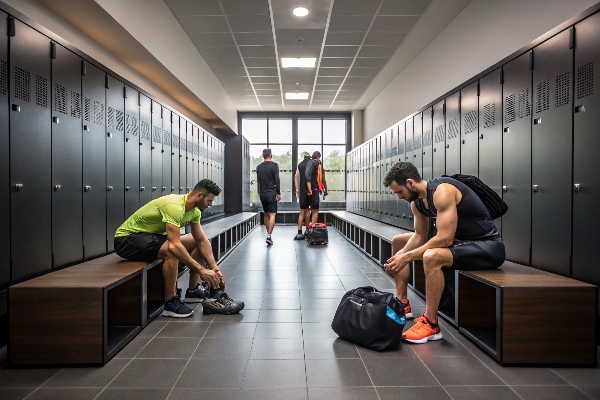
432	374
39	387
557	374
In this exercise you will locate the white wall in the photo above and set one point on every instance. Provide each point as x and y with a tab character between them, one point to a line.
483	34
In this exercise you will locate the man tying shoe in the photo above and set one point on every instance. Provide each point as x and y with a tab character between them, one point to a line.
153	232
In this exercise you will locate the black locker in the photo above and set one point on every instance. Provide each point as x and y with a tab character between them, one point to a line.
516	159
490	132
453	134
145	145
174	153
132	151
469	130
439	139
157	147
30	158
417	144
94	163
183	155
190	157
115	158
4	152
585	173
405	131
552	154
428	143
166	153
195	156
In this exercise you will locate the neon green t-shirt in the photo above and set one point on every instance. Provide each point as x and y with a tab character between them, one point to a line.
153	217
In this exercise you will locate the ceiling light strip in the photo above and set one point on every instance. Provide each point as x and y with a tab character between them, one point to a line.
312	94
356	55
276	54
240	53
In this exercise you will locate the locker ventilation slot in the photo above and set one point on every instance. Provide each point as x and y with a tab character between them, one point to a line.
87	109
470	121
60	99
167	138
156	134
41	91
190	147
585	80
3	77
417	143
119	120
439	133
525	103
453	128
401	148
22	84
75	105
175	142
509	110
182	144
543	96
131	125
110	118
99	113
427	138
145	130
489	115
196	150
409	145
562	90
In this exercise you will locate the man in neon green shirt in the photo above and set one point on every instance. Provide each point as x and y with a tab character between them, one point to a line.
153	232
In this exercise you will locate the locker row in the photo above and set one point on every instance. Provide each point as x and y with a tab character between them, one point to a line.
80	152
528	129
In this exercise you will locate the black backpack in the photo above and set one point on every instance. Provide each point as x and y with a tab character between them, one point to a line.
317	233
494	203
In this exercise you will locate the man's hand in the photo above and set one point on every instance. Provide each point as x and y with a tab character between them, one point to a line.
309	191
278	197
396	263
211	277
221	279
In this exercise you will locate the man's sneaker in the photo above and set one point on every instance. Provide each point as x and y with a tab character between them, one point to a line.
422	331
269	240
195	295
299	237
221	303
407	309
174	307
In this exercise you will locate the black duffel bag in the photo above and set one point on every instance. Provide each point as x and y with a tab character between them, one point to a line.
370	318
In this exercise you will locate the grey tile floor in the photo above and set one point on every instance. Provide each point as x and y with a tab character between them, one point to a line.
282	347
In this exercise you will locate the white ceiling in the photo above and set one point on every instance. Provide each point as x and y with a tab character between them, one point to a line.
243	41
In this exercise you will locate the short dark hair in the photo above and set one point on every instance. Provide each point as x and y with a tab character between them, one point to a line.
400	172
316	155
207	186
266	153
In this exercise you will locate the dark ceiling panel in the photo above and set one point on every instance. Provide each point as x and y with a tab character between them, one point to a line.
218	51
355	7
344	38
299	52
193	24
340	51
333	71
214	63
336	62
260	62
394	24
370	62
349	23
244	7
257	51
377	51
299	37
194	7
265	79
256	23
262	71
254	39
384	38
212	39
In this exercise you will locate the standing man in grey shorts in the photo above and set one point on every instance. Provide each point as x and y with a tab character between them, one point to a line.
466	238
269	190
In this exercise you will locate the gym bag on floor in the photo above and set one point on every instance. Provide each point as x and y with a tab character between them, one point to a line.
370	318
317	233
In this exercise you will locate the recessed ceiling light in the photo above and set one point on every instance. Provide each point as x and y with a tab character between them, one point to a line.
300	11
296	96
298	62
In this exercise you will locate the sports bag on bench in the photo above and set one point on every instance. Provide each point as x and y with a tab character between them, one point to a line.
494	203
370	318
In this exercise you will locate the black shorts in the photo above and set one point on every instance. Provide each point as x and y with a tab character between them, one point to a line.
269	201
307	201
478	254
139	246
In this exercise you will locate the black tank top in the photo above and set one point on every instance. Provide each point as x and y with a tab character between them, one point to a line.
474	220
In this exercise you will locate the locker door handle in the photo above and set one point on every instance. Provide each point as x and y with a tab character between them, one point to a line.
154	188
504	189
579	109
577	187
481	136
87	188
55	120
16	108
463	142
19	186
181	188
86	128
447	146
57	187
434	150
535	188
537	121
127	139
164	189
142	188
109	188
127	188
506	129
172	189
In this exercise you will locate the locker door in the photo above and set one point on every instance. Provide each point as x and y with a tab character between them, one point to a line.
385	166
428	143
516	159
174	153
439	139
196	156
189	156
145	145
157	148
418	143
404	144
132	151
115	158
552	145
94	164
202	156
393	208
490	133
585	173
469	103
166	153
30	139
453	145
4	158
408	154
182	155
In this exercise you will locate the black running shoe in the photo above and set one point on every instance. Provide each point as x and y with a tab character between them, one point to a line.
269	240
174	307
299	237
195	295
221	303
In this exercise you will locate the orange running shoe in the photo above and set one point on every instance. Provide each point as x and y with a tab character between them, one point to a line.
422	331
407	310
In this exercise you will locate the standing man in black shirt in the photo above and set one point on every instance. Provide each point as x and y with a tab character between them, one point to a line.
301	194
315	175
269	190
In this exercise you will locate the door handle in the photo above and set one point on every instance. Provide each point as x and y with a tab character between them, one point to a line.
87	188
579	109
19	186
577	187
535	188
504	189
143	188
127	188
57	187
109	188
154	188
164	189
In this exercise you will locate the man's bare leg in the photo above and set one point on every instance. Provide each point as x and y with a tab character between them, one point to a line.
171	265
433	262
270	222
314	215
401	278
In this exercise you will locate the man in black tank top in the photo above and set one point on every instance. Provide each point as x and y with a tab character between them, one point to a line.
466	238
